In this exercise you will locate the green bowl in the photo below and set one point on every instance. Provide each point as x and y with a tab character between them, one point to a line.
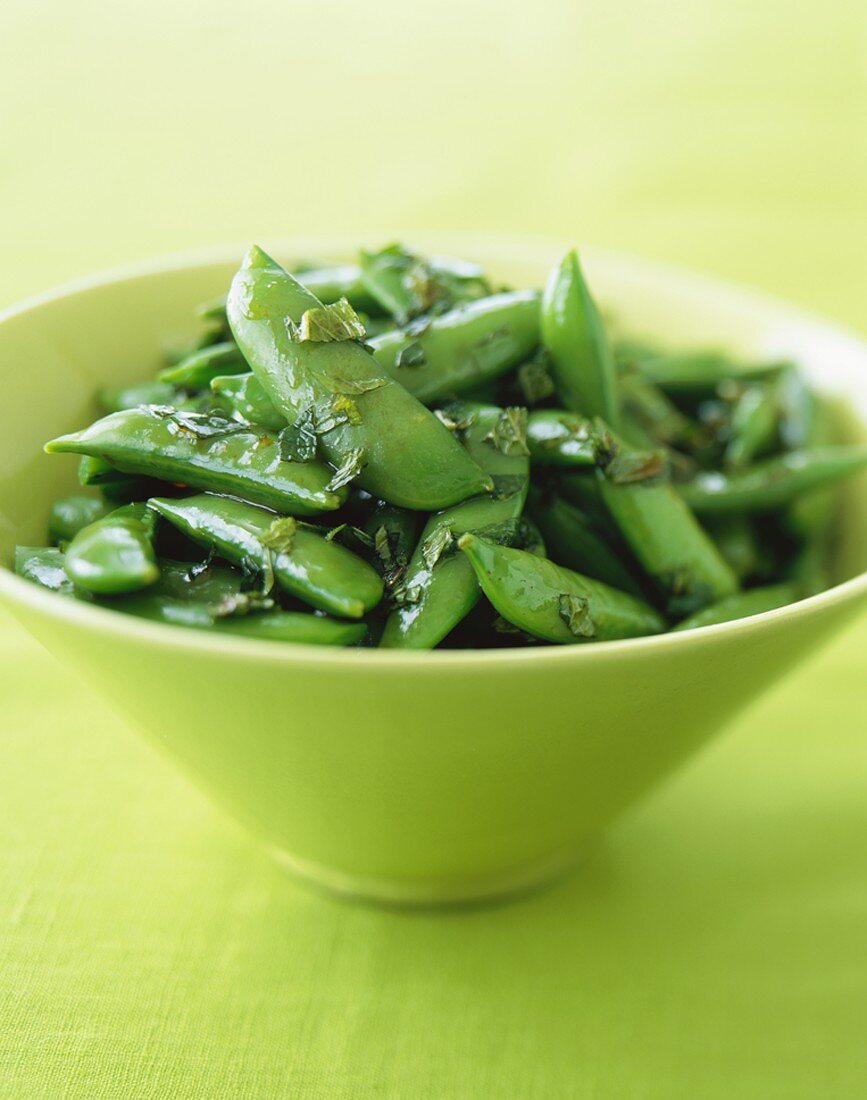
408	777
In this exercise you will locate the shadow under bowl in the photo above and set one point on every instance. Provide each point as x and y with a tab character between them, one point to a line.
409	777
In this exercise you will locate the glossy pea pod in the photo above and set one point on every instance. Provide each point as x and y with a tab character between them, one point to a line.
559	438
278	626
696	374
463	349
300	558
206	453
244	395
197	370
774	483
364	421
44	565
115	398
554	603
754	423
114	554
581	358
660	530
69	515
439	587
406	285
755	601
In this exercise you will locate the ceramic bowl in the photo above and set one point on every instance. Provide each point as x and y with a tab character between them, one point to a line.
407	777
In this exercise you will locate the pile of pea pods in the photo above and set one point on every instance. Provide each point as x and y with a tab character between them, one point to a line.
397	453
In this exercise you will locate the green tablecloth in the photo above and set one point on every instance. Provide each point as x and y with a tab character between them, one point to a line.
713	946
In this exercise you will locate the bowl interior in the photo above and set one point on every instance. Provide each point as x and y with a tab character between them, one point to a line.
58	350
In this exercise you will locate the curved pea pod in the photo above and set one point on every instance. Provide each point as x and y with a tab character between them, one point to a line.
653	416
699	373
115	486
69	514
755	601
554	603
754	422
559	438
406	285
581	358
660	530
115	398
199	582
574	542
774	483
278	626
205	452
311	364
303	561
114	554
247	399
439	587
196	371
464	348
810	422
44	565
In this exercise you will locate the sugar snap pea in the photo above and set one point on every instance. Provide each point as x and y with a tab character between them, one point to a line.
471	344
554	603
754	601
114	554
701	372
313	367
44	565
773	483
439	588
581	358
754	425
198	369
304	562
248	401
69	514
406	285
114	398
660	529
559	438
279	626
206	453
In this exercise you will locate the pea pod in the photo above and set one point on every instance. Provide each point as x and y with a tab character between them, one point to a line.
406	285
196	371
462	349
279	626
736	540
115	398
304	563
248	401
775	483
115	486
364	422
697	373
394	532
205	452
554	603
43	565
439	588
559	438
69	515
114	554
755	601
753	426
573	333
649	409
197	582
660	529
574	541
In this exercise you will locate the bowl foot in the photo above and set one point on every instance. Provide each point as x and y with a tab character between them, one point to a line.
433	892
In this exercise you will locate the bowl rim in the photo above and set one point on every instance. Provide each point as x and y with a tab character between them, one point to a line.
17	591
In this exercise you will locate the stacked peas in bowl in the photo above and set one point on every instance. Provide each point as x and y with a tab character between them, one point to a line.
396	453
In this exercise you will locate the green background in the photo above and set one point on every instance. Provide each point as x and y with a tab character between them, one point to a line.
714	943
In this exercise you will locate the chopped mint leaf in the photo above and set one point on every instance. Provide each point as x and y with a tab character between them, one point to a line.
509	434
575	613
326	324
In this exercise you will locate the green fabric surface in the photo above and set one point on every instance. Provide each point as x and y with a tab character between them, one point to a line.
714	944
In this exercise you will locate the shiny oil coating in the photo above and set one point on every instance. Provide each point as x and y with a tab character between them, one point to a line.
408	457
466	347
114	554
537	595
244	396
438	594
560	438
315	569
69	514
141	441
